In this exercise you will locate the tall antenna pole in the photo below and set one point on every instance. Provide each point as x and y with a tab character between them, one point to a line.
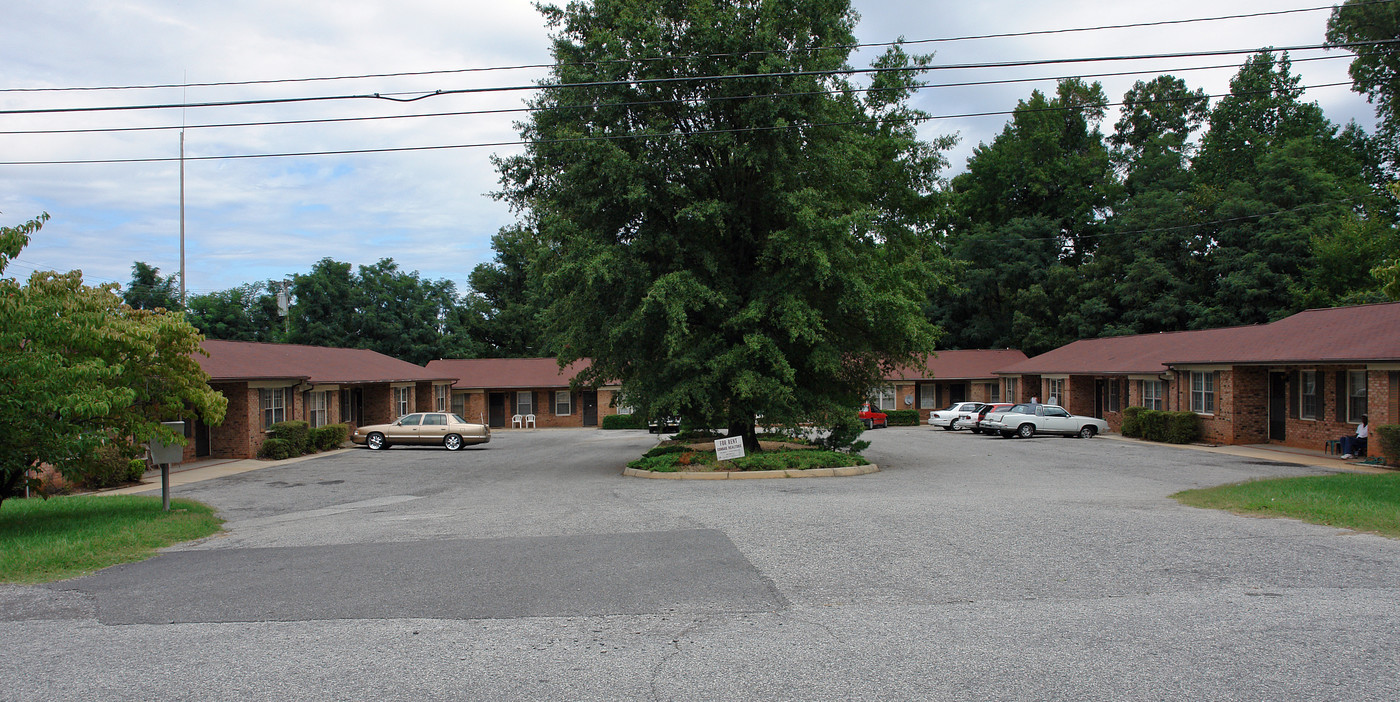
182	219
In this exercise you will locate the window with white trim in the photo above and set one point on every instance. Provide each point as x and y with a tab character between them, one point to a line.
273	403
1011	383
993	392
885	398
928	396
403	400
1115	395
1203	392
1307	395
625	409
524	403
1055	391
440	398
1356	395
1152	394
563	403
316	409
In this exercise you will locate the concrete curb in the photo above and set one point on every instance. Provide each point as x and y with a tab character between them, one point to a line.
843	472
151	481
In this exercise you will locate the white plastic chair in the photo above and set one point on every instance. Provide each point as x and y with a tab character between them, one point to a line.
517	422
530	421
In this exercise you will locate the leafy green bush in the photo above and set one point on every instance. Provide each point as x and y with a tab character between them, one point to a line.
802	459
329	437
844	434
624	421
1132	424
276	449
296	433
106	467
903	418
1388	436
1183	427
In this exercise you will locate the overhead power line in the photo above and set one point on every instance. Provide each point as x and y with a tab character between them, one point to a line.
619	137
686	79
850	47
511	110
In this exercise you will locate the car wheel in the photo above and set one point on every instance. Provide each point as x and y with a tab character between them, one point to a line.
1026	431
452	442
869	423
1087	432
375	441
885	423
948	427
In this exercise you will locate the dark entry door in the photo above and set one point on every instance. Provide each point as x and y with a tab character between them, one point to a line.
1278	406
201	439
497	409
957	393
1100	396
590	407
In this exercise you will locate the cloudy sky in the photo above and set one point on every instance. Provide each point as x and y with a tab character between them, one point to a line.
254	219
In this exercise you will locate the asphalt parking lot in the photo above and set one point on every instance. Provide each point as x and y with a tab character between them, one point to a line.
969	567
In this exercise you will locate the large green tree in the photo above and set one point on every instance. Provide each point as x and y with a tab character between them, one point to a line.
149	291
243	313
503	308
1375	72
731	229
80	369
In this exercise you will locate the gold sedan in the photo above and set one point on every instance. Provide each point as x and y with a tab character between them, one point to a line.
445	428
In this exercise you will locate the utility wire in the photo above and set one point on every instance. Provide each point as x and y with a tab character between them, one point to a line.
687	79
617	137
849	47
642	103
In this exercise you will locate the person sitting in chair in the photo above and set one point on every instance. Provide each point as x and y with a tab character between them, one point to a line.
1356	445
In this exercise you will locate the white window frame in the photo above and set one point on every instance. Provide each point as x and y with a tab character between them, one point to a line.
1055	388
272	402
403	400
928	396
526	407
1307	395
1010	388
1152	394
625	409
563	399
1356	395
1203	392
993	392
440	397
317	409
886	398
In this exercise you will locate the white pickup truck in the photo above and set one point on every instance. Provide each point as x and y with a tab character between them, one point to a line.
1026	420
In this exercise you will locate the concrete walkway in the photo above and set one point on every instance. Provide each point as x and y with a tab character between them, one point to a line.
199	471
1273	452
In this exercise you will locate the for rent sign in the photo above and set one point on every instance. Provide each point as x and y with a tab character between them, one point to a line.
730	448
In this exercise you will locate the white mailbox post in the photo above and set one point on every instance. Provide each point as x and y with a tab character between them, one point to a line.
163	454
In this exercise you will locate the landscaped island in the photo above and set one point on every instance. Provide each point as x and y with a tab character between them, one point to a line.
780	455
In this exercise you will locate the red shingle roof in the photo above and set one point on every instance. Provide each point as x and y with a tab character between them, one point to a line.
249	360
964	364
1336	335
507	372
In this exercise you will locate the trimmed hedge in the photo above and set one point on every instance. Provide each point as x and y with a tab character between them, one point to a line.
329	437
296	433
276	449
624	421
1169	427
903	418
1132	424
1388	438
108	467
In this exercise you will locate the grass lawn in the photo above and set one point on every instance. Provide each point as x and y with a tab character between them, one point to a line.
65	537
1369	502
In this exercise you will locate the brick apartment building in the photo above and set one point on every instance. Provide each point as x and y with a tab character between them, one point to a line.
269	383
509	392
1299	381
951	376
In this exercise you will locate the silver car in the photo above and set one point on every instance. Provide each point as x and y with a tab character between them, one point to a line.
1026	421
424	428
948	418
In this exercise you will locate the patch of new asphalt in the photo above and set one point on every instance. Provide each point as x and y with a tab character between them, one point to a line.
969	567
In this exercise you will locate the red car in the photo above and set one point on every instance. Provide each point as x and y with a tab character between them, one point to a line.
872	417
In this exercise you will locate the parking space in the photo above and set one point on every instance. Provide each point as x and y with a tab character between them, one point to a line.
969	567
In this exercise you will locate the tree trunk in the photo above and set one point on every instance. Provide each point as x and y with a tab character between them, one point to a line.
750	434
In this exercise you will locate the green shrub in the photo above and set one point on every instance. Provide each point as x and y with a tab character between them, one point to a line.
1152	425
276	449
802	460
624	421
665	462
667	449
903	418
1132	424
844	434
329	437
1183	427
296	433
108	466
1388	438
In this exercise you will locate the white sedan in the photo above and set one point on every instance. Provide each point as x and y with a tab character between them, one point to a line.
1026	421
948	418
